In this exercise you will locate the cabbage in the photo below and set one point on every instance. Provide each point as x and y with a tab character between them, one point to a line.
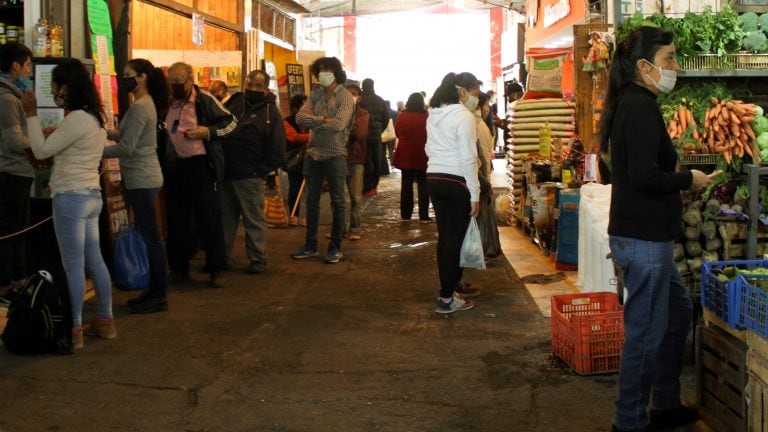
758	108
762	141
764	155
760	124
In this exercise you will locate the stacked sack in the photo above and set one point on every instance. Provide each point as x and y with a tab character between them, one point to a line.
526	118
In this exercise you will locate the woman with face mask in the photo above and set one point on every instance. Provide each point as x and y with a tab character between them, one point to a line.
453	184
76	147
645	220
137	149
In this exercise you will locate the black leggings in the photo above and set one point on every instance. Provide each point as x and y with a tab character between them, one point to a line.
450	198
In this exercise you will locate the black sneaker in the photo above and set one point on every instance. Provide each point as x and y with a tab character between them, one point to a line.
257	267
670	419
150	305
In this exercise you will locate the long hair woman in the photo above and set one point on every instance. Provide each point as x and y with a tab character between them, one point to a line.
453	185
645	216
76	147
137	149
410	157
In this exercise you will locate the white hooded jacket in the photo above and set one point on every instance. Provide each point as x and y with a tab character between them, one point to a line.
452	145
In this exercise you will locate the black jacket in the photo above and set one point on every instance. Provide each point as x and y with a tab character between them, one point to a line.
210	113
645	188
378	113
257	146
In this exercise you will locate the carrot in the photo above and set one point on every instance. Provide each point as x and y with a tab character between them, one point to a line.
727	156
711	140
744	138
683	117
747	119
725	114
735	130
748	129
729	105
735	118
691	120
748	149
717	111
738	109
714	100
696	134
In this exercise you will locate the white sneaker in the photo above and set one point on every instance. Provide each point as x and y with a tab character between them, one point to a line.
457	304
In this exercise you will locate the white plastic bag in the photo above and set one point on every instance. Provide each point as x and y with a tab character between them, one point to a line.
472	248
389	133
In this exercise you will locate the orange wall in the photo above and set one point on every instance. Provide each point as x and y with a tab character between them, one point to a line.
155	28
535	36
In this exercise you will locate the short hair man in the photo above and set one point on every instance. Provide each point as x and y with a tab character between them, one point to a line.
196	120
379	118
328	113
16	171
220	91
248	155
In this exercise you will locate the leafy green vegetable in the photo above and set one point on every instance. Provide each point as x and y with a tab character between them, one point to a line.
760	124
762	22
762	140
755	42
749	21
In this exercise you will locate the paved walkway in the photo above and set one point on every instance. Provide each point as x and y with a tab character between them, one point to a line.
353	346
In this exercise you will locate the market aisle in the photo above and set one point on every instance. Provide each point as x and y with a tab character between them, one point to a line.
353	346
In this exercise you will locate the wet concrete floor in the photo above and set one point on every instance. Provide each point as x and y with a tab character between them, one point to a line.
307	346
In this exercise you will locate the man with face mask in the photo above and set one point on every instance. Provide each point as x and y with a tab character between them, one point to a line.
248	155
195	121
328	113
16	171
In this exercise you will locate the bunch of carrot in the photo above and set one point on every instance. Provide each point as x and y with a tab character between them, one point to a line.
726	129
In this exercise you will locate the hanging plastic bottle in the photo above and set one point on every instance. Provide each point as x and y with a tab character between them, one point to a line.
545	140
40	38
55	37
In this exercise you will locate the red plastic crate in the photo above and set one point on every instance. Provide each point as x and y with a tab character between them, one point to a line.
588	331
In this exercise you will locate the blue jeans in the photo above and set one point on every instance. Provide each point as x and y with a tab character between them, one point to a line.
334	170
657	318
143	202
76	220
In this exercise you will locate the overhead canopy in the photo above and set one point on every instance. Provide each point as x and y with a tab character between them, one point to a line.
327	8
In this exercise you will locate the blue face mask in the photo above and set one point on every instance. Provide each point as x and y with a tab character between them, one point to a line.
22	83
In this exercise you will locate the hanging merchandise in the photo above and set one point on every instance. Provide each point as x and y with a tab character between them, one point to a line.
545	140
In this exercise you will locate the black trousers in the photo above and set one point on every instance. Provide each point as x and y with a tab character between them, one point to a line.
406	193
14	217
373	155
450	198
294	185
192	202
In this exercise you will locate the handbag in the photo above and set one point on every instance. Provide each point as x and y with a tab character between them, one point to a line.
130	262
471	255
274	207
294	160
389	133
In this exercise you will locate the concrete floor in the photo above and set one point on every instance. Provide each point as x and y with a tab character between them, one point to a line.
353	346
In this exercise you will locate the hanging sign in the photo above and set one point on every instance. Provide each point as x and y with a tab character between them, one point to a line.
556	12
295	74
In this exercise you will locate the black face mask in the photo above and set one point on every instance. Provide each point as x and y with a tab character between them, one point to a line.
255	97
179	91
128	84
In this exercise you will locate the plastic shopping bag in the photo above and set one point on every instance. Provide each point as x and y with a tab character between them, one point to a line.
472	248
130	262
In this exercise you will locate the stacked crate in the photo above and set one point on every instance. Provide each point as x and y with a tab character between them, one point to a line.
525	119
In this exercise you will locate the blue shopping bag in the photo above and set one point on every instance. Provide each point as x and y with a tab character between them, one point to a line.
130	262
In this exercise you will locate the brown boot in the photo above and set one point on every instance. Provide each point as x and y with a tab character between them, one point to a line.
103	328
77	338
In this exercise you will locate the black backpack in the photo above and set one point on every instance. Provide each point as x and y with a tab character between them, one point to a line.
39	318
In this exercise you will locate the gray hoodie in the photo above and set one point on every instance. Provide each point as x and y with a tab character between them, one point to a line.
14	139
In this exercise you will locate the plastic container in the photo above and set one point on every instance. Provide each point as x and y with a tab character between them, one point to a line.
55	38
753	304
723	297
40	41
588	331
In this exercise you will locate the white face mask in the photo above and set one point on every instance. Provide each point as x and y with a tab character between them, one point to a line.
326	78
471	103
667	79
